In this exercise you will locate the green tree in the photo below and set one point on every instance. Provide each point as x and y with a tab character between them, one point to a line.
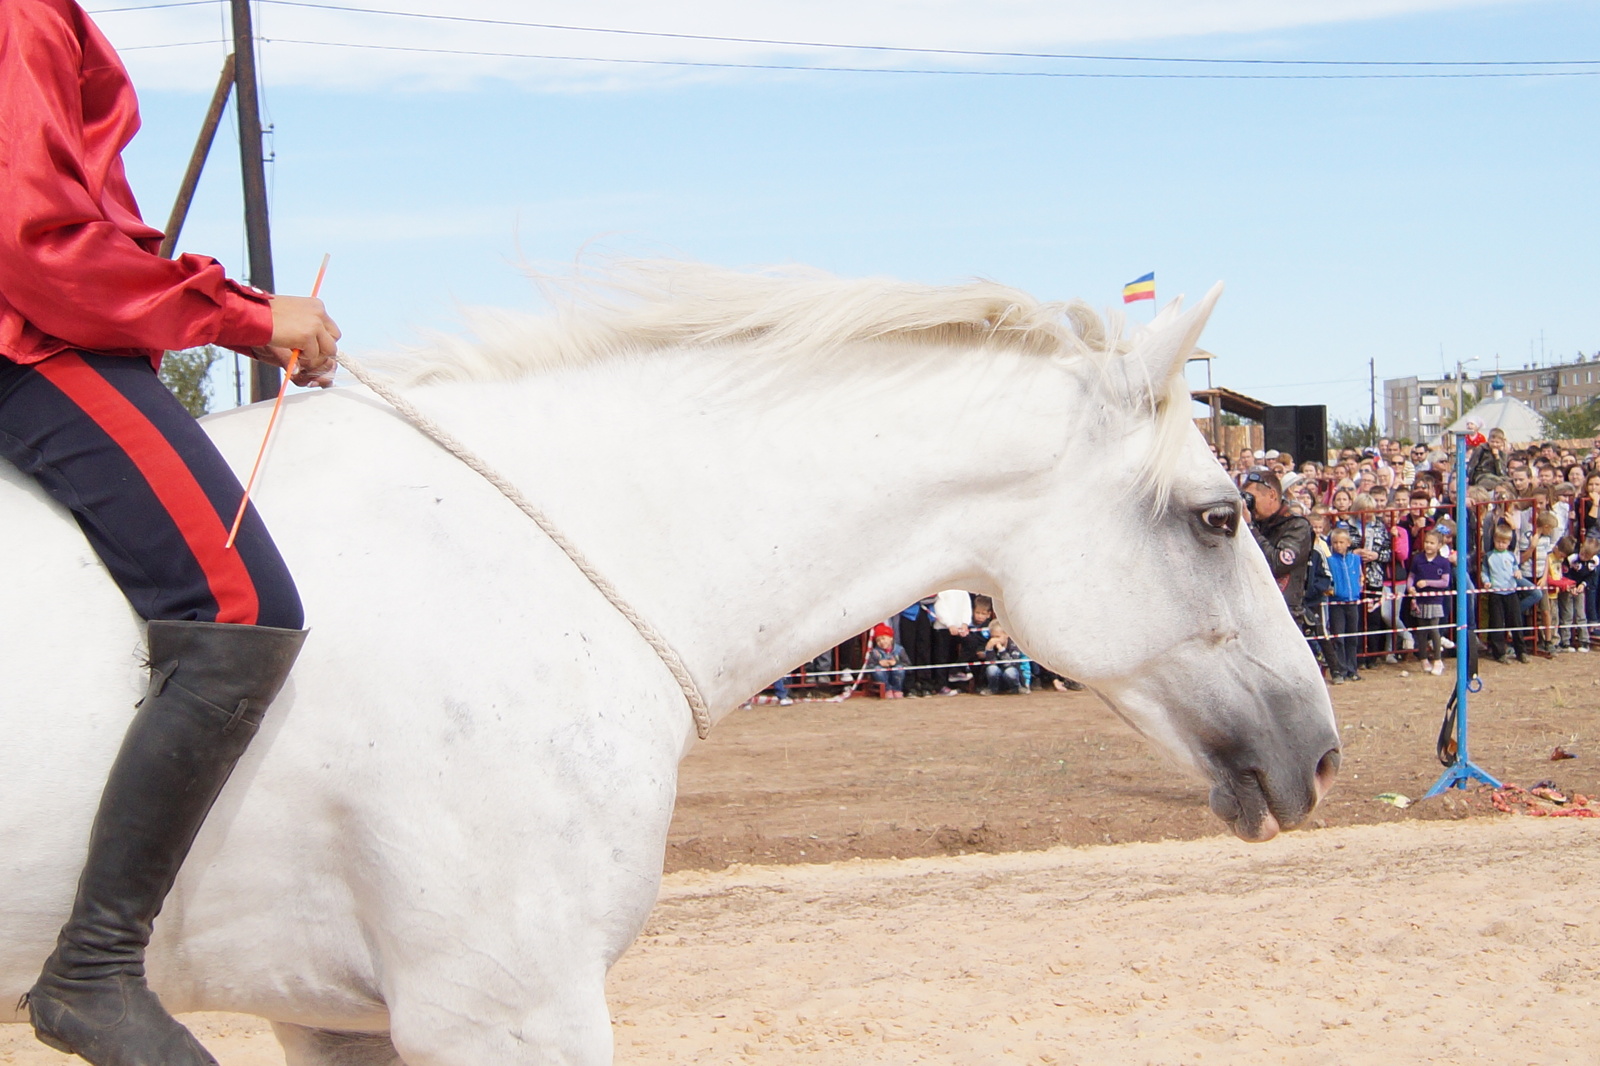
1352	434
1570	423
187	374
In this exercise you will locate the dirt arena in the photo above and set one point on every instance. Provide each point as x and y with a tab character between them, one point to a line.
875	882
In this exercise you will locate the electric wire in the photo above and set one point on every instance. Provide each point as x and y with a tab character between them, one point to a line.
980	53
842	46
149	7
168	44
814	68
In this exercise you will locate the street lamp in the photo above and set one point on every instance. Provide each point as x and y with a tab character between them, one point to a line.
1461	384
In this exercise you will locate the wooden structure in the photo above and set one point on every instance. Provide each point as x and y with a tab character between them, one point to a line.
1230	440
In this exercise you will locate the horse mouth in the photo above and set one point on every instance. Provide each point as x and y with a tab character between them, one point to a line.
1248	800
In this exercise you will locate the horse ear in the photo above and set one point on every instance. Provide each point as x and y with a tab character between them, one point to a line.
1159	352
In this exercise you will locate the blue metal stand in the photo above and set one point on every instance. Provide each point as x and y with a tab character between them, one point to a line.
1463	771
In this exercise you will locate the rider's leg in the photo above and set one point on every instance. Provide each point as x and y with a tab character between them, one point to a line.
104	438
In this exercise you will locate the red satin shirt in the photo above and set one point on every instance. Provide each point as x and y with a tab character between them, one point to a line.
78	267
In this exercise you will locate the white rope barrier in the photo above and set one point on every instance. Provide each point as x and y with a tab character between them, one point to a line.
440	436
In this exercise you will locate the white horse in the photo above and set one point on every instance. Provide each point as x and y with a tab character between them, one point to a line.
453	820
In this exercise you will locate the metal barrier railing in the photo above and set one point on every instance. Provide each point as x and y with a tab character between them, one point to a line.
1388	600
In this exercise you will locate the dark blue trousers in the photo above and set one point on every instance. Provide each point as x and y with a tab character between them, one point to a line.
105	438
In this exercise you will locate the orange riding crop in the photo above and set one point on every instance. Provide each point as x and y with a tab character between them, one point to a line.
272	422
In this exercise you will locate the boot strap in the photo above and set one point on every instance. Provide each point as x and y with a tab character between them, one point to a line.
236	717
159	676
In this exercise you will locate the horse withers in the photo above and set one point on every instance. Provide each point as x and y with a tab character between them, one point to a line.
454	818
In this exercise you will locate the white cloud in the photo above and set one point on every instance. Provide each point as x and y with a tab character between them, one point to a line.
1010	25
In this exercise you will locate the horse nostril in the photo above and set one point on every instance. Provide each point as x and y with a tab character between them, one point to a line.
1327	769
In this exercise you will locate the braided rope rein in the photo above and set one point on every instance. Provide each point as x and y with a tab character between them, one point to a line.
442	437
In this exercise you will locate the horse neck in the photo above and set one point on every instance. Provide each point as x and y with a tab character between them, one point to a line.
756	526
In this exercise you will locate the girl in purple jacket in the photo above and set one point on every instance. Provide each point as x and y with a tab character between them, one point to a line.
1429	572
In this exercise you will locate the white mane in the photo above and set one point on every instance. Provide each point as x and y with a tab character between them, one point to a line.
642	306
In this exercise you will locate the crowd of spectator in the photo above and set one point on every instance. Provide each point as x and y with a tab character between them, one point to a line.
1363	547
942	644
939	646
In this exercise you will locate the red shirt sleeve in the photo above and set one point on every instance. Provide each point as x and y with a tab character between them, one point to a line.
77	265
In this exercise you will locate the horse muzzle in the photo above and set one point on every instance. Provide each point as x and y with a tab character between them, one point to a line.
1259	797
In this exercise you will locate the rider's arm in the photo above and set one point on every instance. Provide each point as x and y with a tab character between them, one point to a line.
76	262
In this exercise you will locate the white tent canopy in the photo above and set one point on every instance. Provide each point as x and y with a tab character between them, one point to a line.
1520	422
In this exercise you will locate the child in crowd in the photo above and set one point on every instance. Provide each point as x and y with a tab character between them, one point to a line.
1412	518
1564	500
1428	573
1003	659
978	632
1344	610
1321	525
1502	592
1568	596
1319	586
1548	531
1375	547
1405	539
887	661
1584	568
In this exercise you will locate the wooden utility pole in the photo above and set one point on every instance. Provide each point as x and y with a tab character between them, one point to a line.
1372	415
197	161
252	165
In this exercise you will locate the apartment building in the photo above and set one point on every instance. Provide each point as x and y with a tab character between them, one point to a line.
1419	409
1550	388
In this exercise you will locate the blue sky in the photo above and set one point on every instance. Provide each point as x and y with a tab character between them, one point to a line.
1351	219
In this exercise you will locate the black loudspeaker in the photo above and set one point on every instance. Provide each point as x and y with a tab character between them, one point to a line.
1301	431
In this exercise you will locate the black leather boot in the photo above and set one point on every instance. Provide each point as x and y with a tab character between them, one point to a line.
210	684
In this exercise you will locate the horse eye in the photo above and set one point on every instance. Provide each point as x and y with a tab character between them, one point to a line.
1223	518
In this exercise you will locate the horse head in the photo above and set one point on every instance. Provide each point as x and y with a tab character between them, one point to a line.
1173	618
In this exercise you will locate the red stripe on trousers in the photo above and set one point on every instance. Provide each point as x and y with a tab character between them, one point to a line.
169	478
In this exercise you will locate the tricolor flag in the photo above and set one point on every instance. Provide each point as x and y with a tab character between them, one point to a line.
1140	289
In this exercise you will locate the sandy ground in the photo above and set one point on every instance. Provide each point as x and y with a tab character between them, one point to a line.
943	776
1429	943
235	1039
1440	933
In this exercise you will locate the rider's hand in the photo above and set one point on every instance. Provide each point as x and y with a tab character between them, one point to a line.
301	322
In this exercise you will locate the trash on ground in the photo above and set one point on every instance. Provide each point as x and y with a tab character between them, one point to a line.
1544	800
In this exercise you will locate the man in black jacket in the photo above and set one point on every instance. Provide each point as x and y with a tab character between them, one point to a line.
1285	538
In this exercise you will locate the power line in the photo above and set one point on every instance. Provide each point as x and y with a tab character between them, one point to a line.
1308	384
152	7
803	67
837	45
844	46
169	44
